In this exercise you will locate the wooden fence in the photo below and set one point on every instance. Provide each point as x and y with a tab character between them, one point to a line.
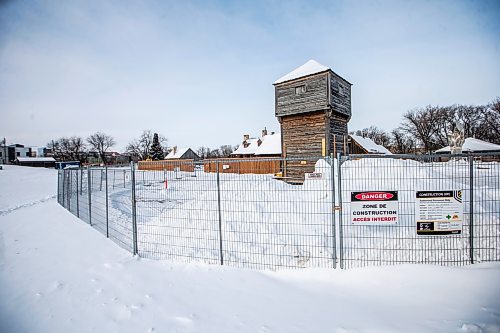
244	166
169	165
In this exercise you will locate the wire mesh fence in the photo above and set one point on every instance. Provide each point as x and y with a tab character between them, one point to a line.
212	212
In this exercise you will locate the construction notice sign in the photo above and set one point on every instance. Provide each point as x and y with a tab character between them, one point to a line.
439	212
374	208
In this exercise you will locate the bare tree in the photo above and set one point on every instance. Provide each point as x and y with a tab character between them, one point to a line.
378	135
203	152
65	149
423	124
101	142
214	153
77	148
225	150
141	147
491	121
401	142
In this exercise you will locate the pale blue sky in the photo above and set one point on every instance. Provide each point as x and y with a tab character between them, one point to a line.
201	72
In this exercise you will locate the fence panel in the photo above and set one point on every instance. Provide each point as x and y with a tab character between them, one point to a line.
83	194
60	187
73	199
177	214
389	243
117	183
98	199
486	207
269	223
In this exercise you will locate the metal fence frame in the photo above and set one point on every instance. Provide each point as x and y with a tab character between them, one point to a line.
220	223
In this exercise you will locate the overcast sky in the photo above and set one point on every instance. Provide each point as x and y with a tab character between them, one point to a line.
201	72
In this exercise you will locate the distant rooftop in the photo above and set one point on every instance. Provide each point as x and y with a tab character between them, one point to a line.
370	146
176	153
473	144
35	159
271	145
249	150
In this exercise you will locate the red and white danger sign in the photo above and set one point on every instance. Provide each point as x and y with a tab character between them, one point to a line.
374	207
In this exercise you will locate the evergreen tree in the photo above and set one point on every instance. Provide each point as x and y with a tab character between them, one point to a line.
156	149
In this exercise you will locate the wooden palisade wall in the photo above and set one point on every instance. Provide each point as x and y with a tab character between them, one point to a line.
168	165
254	165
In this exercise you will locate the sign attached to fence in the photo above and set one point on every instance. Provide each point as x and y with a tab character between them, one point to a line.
374	208
439	212
314	175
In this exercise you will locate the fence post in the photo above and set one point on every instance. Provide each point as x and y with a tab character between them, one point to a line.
334	233
89	194
69	190
100	183
341	234
220	216
64	189
471	209
134	215
107	204
59	192
77	199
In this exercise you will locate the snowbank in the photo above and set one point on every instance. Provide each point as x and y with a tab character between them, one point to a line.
58	275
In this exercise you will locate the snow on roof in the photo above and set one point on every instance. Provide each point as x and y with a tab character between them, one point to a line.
271	145
309	68
472	144
370	146
36	159
249	150
177	153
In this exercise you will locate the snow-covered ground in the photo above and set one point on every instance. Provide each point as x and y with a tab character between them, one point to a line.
57	274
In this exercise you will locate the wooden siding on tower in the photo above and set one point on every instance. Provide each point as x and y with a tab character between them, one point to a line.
313	99
302	134
337	133
340	95
302	137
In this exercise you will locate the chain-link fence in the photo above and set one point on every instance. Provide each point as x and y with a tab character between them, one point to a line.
230	212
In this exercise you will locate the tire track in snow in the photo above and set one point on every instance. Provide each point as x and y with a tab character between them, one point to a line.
28	204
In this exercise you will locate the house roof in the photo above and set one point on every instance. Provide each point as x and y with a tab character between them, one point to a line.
309	68
370	146
35	159
472	144
249	150
271	145
177	154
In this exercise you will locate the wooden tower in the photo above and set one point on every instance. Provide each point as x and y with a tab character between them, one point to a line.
313	106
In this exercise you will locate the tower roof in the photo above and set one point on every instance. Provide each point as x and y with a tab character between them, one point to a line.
309	68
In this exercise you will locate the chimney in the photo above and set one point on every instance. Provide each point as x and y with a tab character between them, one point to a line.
264	132
175	150
246	137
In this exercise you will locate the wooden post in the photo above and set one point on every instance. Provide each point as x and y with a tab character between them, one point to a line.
334	144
